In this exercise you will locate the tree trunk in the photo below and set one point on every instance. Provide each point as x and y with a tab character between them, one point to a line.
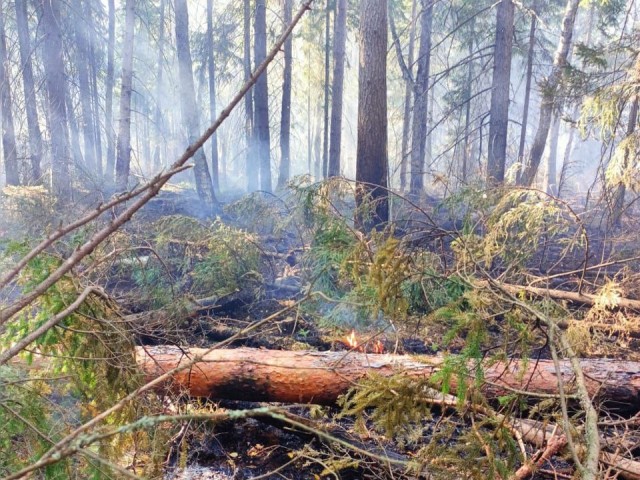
285	117
10	154
55	81
108	102
499	113
160	147
551	185
408	90
327	60
466	154
252	165
211	70
549	94
95	93
421	100
321	377
30	102
189	108
261	98
371	156
339	45
123	160
617	208
527	88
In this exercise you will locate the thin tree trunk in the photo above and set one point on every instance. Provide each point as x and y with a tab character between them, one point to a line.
35	135
421	100
55	81
466	154
551	186
123	160
95	94
189	107
549	94
327	60
211	69
339	45
527	88
10	154
261	98
252	166
159	116
108	103
371	158
620	190
499	113
408	91
285	117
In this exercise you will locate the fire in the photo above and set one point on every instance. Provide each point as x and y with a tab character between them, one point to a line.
351	340
378	346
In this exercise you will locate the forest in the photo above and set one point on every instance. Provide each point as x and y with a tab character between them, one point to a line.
319	239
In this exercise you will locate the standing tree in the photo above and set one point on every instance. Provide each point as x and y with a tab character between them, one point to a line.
527	88
550	92
108	102
252	168
158	116
8	132
261	98
371	156
123	159
420	103
189	108
28	85
499	113
55	81
285	117
408	90
327	60
339	45
211	70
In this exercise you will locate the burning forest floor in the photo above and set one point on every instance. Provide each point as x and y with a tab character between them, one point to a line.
454	281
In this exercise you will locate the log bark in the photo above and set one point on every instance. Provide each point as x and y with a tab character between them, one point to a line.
320	377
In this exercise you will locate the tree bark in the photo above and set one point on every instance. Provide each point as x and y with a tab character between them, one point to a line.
549	94
108	102
261	98
321	377
30	102
123	159
551	185
10	154
421	100
327	61
211	70
189	107
371	155
499	113
252	165
285	116
160	147
337	89
408	90
617	207
527	88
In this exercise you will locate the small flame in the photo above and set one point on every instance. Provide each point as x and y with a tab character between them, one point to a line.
351	339
378	347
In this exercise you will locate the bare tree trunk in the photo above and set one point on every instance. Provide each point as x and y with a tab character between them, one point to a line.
95	94
10	154
527	88
252	164
466	154
160	148
549	94
551	186
55	81
371	156
499	113
189	107
30	103
339	45
408	91
211	68
261	98
123	160
285	117
617	208
108	103
421	100
327	60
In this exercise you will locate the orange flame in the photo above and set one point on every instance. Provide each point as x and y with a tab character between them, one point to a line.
351	340
378	347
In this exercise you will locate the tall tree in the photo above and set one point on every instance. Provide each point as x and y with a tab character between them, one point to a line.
408	90
261	98
327	62
499	113
189	108
527	88
55	82
285	117
421	98
617	207
92	53
550	90
339	46
108	102
123	155
28	85
8	133
211	70
371	155
252	168
158	115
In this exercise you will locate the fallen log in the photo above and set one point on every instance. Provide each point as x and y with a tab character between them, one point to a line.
321	377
